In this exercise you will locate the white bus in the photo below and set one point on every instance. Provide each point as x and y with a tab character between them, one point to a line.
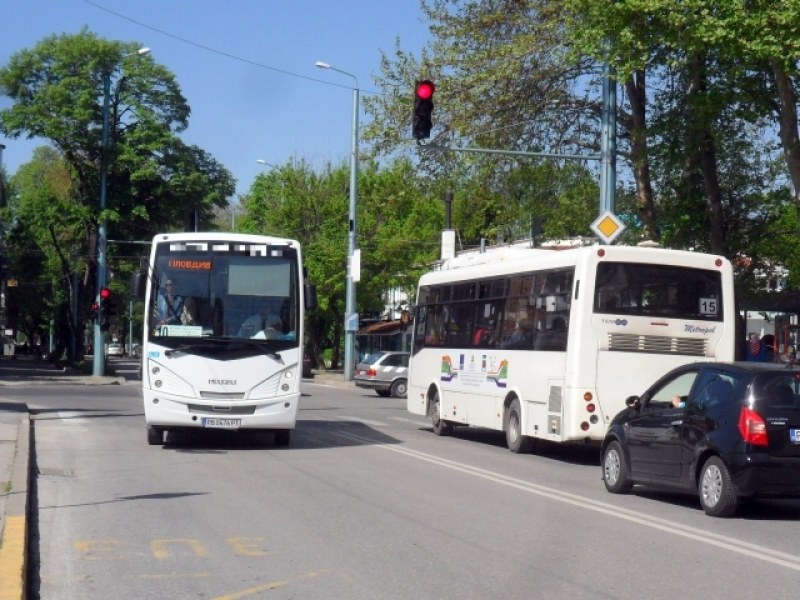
223	336
548	344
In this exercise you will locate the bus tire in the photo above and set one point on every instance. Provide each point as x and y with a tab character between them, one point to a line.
616	473
517	443
155	435
440	426
283	437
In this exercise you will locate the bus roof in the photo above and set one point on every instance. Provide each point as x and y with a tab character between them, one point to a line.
514	258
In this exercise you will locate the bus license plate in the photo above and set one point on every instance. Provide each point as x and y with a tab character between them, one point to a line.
794	435
217	423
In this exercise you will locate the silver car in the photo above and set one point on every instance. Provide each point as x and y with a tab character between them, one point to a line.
385	372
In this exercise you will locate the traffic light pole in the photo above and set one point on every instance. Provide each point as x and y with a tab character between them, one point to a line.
98	365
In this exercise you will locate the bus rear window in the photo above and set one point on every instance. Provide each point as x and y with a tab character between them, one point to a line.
651	290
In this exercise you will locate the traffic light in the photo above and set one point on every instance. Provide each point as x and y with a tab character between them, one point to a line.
94	311
423	109
104	313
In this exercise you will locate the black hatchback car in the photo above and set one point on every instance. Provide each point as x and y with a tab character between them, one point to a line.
724	431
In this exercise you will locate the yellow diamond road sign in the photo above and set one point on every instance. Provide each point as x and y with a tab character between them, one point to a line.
608	227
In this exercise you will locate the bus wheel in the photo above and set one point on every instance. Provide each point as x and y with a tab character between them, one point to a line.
440	426
282	437
517	443
615	470
155	435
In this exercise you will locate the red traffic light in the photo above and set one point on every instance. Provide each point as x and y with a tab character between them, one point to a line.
105	293
423	109
425	90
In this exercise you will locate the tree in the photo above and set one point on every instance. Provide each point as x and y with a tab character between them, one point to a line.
155	181
504	81
397	232
701	82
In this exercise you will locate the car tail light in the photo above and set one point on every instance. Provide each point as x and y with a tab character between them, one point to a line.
371	372
752	427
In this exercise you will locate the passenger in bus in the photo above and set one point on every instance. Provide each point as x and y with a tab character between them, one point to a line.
522	338
169	305
189	315
554	337
266	321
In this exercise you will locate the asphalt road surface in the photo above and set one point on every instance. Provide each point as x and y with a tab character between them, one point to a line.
365	503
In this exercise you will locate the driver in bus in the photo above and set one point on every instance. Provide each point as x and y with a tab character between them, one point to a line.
169	305
266	324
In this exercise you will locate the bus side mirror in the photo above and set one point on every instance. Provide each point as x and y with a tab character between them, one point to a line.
310	294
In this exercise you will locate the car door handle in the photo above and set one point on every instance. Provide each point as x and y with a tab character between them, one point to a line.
676	423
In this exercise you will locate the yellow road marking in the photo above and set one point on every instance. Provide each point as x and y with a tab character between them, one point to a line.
12	558
272	585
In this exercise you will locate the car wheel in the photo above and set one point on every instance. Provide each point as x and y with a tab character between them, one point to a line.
616	473
282	437
717	494
517	443
155	435
383	393
399	388
440	426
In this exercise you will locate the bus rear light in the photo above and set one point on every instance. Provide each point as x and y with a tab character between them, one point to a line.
587	396
718	262
594	419
590	408
584	426
601	253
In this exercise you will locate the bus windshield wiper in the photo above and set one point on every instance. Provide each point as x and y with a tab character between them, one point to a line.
255	344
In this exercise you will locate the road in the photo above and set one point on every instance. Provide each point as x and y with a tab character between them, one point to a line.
365	503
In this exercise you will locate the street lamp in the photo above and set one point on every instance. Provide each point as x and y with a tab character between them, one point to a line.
350	314
98	365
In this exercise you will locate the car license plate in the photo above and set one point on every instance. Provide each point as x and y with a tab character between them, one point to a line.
217	423
794	435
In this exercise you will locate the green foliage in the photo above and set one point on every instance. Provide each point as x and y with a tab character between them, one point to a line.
397	231
155	182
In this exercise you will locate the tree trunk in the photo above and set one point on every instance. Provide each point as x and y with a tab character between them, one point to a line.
787	117
700	133
637	96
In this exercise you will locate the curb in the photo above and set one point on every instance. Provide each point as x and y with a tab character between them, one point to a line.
14	540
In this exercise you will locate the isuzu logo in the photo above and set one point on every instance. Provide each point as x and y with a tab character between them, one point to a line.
222	382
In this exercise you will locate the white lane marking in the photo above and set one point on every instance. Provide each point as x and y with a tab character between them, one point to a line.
710	538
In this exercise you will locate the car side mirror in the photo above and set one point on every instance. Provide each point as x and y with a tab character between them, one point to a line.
632	401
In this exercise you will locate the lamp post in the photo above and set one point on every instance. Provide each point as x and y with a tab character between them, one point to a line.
98	365
350	316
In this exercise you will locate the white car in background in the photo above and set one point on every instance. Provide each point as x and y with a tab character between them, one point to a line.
115	349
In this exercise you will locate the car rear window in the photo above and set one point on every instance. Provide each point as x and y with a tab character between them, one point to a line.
777	392
373	358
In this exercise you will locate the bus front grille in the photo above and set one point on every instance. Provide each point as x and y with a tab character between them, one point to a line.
222	395
227	410
657	344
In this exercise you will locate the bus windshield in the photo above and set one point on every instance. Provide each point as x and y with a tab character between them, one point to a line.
225	290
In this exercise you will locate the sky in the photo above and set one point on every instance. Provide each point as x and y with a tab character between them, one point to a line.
246	67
